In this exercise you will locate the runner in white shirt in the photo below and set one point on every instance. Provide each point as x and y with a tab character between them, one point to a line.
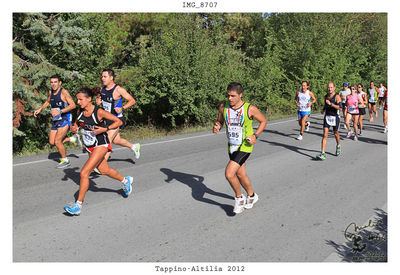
381	97
303	101
361	107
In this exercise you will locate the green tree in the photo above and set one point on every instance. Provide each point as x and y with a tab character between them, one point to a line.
43	45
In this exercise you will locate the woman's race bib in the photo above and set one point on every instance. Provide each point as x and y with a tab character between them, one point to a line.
89	138
352	109
235	135
331	120
107	106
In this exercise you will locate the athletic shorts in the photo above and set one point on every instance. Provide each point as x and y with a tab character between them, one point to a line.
60	123
239	157
372	103
301	114
362	111
109	122
381	98
108	146
334	128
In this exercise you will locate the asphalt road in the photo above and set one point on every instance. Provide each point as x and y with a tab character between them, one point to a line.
181	206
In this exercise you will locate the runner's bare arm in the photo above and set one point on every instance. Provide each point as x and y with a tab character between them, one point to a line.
71	103
295	99
103	114
313	99
360	100
74	127
338	100
127	96
45	104
220	120
254	113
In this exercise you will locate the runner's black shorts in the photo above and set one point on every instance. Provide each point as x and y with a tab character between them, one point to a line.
109	122
362	111
334	128
239	157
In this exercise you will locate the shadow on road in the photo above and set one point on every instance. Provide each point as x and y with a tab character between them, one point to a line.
199	189
74	175
364	243
126	160
294	148
371	140
55	156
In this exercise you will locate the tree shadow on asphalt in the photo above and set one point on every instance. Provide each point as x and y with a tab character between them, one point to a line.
199	189
74	175
364	243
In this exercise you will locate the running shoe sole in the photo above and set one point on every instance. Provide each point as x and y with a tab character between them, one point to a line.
63	165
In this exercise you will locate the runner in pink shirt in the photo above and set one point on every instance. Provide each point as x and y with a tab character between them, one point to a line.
352	101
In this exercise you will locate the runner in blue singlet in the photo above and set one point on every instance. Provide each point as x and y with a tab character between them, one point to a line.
110	98
61	105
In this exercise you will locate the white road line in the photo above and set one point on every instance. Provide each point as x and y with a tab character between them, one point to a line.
152	143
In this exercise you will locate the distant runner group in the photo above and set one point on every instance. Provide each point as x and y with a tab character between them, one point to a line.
100	127
351	101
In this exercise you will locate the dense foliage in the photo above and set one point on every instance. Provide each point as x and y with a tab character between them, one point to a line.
177	66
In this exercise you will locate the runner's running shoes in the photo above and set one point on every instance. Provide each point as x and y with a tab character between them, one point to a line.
239	204
128	186
64	163
250	201
73	209
136	150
